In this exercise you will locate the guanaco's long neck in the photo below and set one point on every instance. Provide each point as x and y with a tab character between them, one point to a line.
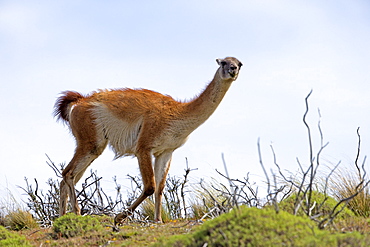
197	111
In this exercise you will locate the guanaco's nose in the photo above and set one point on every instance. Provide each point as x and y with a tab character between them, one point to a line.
232	69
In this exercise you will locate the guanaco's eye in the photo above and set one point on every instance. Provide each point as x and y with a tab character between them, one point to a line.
223	63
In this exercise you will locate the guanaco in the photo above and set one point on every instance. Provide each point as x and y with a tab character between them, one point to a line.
135	122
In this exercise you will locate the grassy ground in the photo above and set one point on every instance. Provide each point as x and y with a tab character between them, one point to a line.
240	227
130	234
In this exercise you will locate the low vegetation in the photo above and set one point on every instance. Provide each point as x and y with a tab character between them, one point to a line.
9	238
71	225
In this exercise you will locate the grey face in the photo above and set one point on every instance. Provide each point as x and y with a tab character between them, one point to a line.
229	68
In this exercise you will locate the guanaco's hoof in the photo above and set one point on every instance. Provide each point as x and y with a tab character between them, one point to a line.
115	228
118	220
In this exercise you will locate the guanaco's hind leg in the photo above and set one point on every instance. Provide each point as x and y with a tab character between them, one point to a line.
63	198
83	157
71	174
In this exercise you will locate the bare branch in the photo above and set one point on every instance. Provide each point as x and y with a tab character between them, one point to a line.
264	170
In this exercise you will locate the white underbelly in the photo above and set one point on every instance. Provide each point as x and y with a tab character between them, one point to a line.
168	142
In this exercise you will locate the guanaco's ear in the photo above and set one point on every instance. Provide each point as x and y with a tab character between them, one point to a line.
220	61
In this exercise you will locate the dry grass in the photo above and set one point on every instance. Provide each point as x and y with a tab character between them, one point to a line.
20	219
14	216
344	184
353	224
147	209
205	196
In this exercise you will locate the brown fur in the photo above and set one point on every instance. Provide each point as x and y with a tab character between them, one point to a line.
139	123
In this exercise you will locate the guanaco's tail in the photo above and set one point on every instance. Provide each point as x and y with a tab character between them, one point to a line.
61	107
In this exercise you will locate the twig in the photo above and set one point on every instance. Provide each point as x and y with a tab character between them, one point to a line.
53	166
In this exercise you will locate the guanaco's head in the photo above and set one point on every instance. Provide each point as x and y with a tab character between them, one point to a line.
229	68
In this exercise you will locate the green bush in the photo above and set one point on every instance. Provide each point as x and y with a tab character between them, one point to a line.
323	206
8	238
262	227
71	225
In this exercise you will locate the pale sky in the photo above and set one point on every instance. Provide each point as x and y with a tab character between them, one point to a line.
287	48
